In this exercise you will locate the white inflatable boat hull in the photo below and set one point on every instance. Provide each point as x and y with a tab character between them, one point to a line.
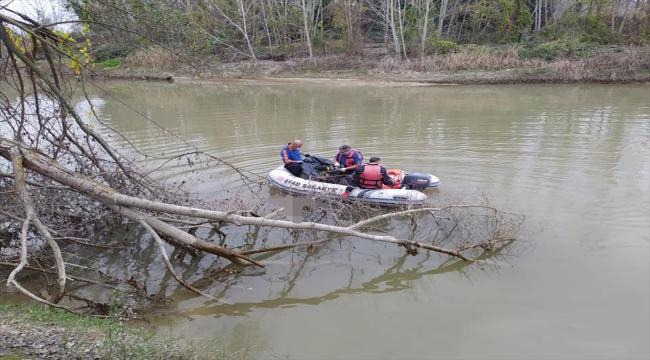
283	179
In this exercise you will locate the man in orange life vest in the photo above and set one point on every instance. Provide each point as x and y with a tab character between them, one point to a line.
348	159
292	157
369	176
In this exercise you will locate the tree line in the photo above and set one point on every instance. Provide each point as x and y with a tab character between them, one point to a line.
407	28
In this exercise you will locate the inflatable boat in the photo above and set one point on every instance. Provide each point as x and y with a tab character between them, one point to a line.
321	178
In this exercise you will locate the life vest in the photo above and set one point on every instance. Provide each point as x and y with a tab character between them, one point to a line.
349	159
371	177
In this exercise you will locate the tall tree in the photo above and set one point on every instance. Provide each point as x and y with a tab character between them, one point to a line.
242	15
307	8
441	16
348	15
390	12
424	8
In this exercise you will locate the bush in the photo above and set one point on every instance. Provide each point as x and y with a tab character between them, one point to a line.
588	29
557	48
594	29
109	51
442	47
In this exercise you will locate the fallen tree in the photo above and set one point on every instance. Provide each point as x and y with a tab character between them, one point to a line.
59	175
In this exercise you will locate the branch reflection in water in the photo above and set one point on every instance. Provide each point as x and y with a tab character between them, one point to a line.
394	279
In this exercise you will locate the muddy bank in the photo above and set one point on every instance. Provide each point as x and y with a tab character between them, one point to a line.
20	339
620	65
36	332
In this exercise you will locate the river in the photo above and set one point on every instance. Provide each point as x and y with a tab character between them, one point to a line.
575	159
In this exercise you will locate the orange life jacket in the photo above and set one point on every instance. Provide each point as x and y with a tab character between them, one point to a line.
349	159
371	177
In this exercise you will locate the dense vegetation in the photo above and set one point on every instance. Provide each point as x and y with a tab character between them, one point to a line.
262	29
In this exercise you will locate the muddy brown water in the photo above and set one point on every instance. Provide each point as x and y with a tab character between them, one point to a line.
574	158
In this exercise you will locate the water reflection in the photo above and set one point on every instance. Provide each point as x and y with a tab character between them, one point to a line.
396	278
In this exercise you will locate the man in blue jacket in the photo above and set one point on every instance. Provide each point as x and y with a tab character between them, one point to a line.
348	159
292	157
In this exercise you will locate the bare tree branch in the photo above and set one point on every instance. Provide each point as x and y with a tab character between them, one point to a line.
170	267
19	173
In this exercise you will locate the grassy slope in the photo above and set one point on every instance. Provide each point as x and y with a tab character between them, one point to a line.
38	332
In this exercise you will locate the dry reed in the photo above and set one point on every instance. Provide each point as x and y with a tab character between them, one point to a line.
155	57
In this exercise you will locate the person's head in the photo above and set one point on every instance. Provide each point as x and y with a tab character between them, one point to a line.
345	149
297	144
374	160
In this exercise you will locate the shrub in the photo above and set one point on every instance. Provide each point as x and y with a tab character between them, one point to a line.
442	47
587	29
108	51
556	48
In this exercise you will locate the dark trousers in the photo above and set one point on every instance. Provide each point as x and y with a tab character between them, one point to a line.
344	180
294	168
346	177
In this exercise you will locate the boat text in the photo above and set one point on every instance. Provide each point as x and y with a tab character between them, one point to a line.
316	187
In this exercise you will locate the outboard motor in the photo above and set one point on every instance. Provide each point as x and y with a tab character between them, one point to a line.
416	181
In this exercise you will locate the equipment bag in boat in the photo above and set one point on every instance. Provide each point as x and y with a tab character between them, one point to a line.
319	168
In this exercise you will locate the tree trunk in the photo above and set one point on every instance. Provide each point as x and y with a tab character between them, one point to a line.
441	17
306	28
266	28
244	29
425	27
393	27
627	7
452	18
401	28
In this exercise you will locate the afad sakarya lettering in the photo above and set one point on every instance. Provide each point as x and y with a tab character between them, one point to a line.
309	186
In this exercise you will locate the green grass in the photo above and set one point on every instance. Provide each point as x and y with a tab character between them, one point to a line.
111	63
11	357
43	315
118	341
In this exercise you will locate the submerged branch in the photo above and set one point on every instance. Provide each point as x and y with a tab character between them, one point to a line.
170	267
71	277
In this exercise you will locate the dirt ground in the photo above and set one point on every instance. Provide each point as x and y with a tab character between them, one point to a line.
26	340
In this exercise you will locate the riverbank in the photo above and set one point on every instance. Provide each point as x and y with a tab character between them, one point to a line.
475	66
36	332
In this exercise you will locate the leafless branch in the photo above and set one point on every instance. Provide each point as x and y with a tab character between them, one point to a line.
170	267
